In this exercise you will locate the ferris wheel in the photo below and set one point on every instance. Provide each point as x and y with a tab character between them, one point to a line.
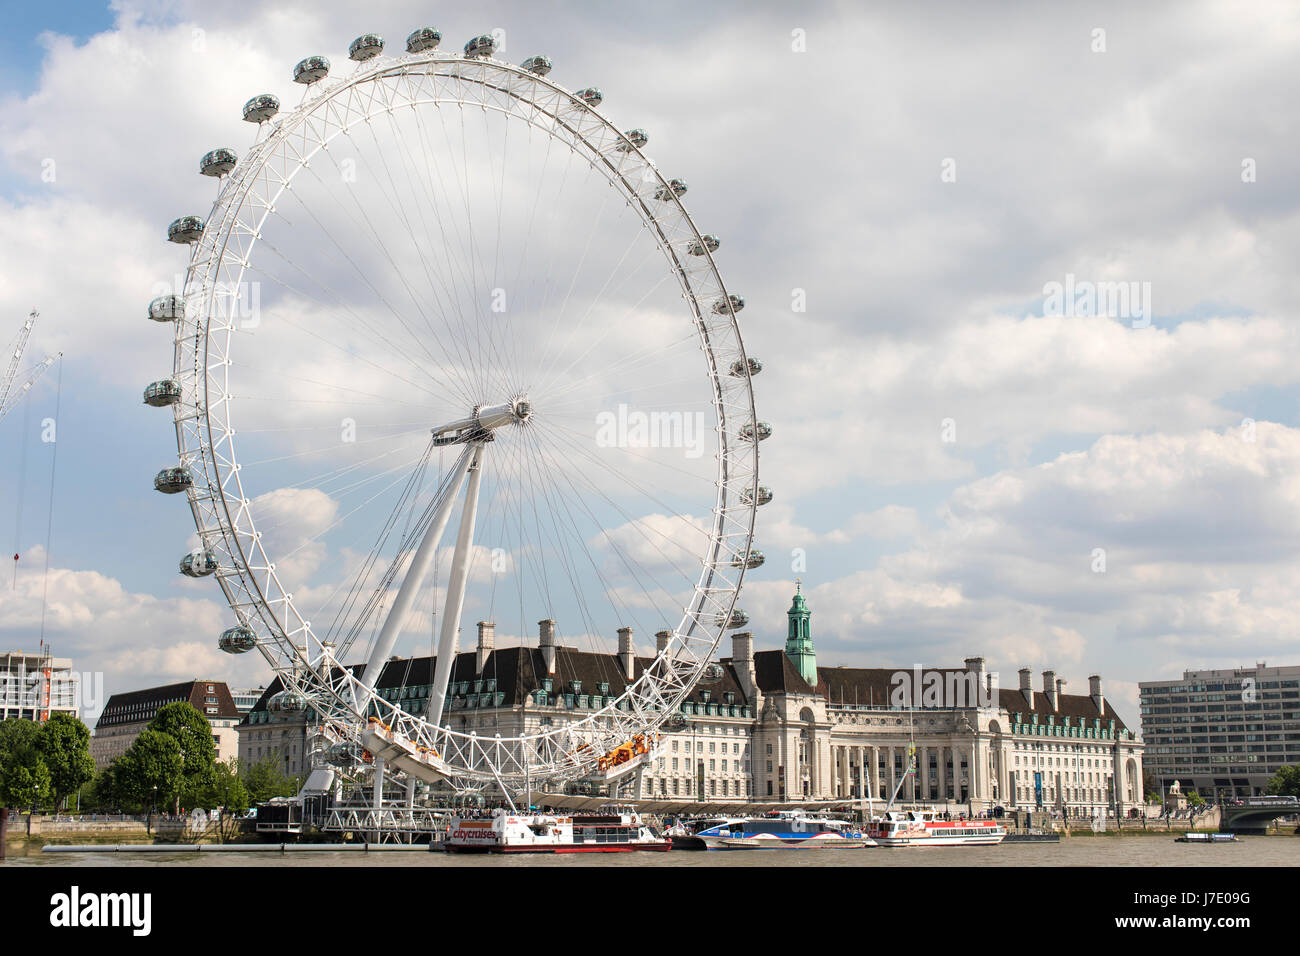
445	285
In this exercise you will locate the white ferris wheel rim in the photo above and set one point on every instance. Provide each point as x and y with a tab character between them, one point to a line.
226	525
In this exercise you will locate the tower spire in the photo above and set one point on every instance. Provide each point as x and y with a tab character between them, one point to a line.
798	642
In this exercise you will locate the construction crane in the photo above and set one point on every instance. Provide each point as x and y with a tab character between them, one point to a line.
11	391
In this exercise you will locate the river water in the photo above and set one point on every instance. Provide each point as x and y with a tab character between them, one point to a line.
1143	851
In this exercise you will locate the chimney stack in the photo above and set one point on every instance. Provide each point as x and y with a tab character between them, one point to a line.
487	642
1027	686
546	633
661	640
1049	688
975	665
1098	698
742	659
626	653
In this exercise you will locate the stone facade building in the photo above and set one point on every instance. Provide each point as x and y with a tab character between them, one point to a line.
125	715
774	727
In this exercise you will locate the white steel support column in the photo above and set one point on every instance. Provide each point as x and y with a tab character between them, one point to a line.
415	574
456	589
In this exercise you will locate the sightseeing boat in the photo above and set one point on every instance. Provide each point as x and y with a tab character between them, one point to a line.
927	828
779	830
612	829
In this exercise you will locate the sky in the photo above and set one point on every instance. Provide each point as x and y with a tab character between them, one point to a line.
971	454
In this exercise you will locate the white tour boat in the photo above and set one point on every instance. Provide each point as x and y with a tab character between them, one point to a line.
928	828
611	829
779	830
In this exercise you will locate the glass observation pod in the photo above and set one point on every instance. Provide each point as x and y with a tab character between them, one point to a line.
738	368
425	38
481	46
732	303
161	393
755	560
218	162
675	188
676	722
738	619
237	639
366	47
541	65
700	246
186	229
762	429
198	564
764	495
261	108
172	480
591	96
311	70
633	138
287	703
343	754
167	308
712	673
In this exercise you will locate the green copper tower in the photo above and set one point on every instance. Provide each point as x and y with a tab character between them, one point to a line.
798	642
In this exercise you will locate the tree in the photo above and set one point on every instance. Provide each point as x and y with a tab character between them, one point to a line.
24	777
65	746
227	790
151	769
1194	799
193	735
1286	782
265	779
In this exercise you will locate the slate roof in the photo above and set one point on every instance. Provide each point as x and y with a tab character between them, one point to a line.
138	706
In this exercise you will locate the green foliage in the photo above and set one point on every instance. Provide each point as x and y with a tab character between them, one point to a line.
226	790
193	735
24	777
265	779
151	772
1194	799
1286	782
65	746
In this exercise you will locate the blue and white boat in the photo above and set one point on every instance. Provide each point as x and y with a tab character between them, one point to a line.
779	830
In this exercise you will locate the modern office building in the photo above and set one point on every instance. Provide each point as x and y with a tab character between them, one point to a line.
125	715
773	726
33	686
246	700
1222	733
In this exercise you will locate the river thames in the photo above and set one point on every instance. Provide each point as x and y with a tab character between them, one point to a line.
1146	851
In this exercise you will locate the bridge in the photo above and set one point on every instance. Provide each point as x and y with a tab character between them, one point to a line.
1253	814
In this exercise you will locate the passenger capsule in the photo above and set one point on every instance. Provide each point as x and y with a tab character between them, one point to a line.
366	47
591	96
237	639
345	753
261	108
311	70
162	393
481	46
541	65
738	619
738	367
762	429
633	139
712	673
675	188
198	564
287	704
764	495
732	304
755	560
676	721
425	38
172	480
699	247
167	308
218	162
186	229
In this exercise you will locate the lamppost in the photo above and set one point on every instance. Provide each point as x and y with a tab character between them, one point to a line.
148	826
